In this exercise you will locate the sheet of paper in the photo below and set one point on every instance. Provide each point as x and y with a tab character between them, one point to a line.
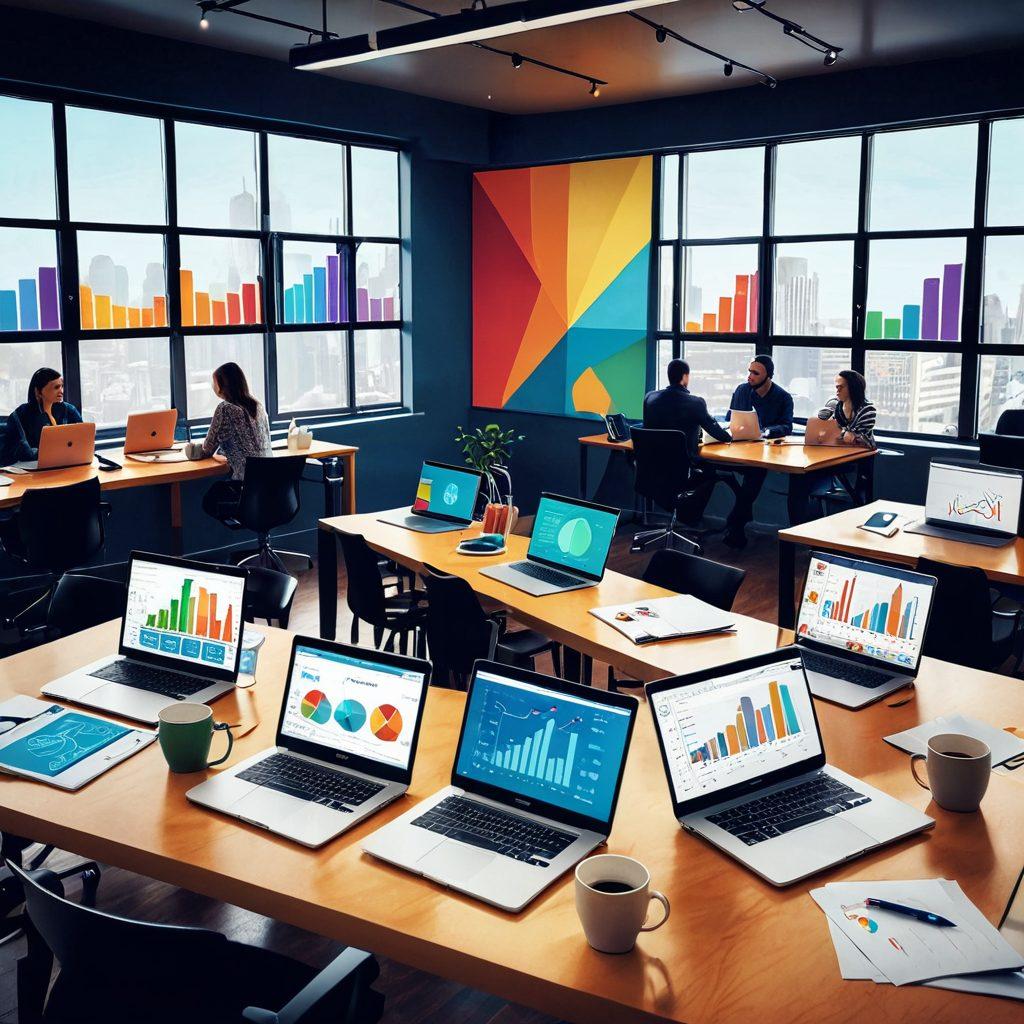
905	950
665	617
915	741
24	707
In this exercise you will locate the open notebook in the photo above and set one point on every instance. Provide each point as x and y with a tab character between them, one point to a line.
666	618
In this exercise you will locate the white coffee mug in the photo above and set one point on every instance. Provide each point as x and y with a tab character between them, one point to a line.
193	450
613	894
959	768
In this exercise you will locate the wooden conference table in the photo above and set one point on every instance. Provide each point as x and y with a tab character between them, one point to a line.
734	949
563	617
840	532
339	487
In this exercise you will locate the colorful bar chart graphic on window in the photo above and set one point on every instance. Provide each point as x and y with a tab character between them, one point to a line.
753	726
933	315
735	313
217	306
34	306
314	284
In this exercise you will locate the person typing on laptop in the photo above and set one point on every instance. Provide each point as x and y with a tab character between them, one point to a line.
852	411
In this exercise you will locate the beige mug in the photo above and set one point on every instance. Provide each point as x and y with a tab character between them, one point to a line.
193	450
613	895
958	770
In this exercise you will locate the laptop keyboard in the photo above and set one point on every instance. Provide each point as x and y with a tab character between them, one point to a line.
508	834
839	669
774	815
546	575
148	677
307	781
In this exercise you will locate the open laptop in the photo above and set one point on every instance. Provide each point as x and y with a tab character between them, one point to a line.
149	437
568	548
180	640
346	744
534	786
861	627
744	426
971	503
61	446
446	498
746	771
822	432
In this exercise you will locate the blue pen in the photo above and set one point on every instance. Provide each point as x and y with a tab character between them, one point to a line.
925	916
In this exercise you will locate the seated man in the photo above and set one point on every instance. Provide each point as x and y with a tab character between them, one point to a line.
674	408
774	408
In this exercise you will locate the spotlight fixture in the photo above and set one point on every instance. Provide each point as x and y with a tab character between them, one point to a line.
746	5
517	60
792	29
660	34
727	70
830	58
595	89
204	22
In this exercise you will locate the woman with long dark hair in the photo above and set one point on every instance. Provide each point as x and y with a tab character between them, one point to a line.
854	414
44	407
239	428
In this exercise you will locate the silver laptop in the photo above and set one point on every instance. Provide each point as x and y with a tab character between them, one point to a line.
446	498
744	425
746	771
534	786
568	548
975	504
346	744
861	627
180	640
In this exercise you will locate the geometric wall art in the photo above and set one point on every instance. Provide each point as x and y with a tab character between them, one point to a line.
561	260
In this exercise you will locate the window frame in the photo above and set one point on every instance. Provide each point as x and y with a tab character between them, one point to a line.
71	335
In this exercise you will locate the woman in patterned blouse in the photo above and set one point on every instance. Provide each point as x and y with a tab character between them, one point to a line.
854	414
239	429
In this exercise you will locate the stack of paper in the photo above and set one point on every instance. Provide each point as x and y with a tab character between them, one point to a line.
665	618
1004	745
885	947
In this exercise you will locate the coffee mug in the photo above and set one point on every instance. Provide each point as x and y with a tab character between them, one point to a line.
185	734
613	894
193	450
958	770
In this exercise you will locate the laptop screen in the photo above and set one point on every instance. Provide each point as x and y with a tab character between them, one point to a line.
726	730
184	612
355	704
544	744
573	535
446	491
975	497
858	607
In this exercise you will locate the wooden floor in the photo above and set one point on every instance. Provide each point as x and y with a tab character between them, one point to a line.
412	996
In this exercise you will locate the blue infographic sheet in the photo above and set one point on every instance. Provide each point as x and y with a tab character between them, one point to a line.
60	744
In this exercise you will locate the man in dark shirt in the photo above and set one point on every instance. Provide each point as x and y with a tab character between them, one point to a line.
774	408
674	408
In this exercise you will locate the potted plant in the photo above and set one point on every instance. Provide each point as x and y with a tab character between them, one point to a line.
488	450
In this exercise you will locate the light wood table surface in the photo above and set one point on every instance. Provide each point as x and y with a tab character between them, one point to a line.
840	532
563	617
734	949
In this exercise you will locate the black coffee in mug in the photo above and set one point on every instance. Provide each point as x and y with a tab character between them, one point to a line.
954	753
612	887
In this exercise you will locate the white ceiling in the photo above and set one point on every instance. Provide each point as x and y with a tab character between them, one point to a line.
618	49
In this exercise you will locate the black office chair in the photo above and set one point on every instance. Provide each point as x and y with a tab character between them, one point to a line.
397	615
684	573
1004	450
268	595
459	632
966	627
117	969
1011	421
86	597
270	498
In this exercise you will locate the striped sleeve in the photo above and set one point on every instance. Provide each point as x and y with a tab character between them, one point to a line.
863	424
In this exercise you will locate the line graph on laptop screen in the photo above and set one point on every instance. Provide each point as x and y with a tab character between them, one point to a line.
724	731
972	497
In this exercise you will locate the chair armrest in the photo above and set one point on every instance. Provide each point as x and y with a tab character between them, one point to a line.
1008	613
339	972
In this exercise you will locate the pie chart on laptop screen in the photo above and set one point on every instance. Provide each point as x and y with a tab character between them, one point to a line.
350	715
574	537
316	707
386	723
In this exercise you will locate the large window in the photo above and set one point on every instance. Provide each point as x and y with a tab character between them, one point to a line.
139	251
899	253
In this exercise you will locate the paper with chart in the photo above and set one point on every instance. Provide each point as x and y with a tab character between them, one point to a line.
1004	745
904	950
665	618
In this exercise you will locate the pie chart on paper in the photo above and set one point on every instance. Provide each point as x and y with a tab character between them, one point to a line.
316	707
350	715
386	723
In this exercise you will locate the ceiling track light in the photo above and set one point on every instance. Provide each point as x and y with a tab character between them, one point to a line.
208	7
517	60
595	89
729	64
793	30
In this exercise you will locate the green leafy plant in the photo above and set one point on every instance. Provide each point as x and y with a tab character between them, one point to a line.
489	449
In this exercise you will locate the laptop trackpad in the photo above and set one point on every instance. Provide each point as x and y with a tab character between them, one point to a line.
264	806
832	840
456	862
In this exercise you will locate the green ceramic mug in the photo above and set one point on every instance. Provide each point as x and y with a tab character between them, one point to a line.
186	732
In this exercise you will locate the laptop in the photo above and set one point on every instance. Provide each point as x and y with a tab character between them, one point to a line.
822	432
68	444
180	640
975	504
568	548
149	437
744	426
861	628
535	782
446	498
746	771
345	748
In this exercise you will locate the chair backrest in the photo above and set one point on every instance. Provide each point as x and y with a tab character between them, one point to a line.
61	527
960	628
364	590
458	631
661	460
268	595
81	601
1011	421
1006	450
270	491
690	574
